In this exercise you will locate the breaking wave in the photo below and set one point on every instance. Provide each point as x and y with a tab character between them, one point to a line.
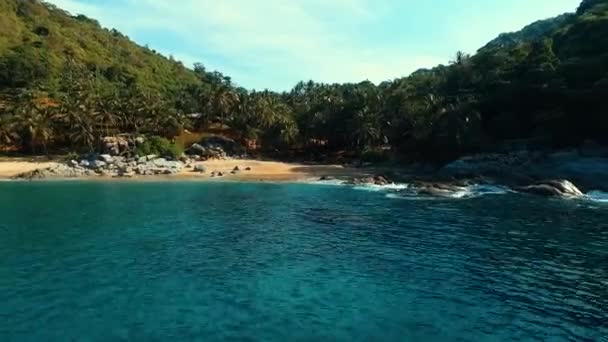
597	196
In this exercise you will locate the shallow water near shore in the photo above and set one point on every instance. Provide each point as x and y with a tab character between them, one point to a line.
215	261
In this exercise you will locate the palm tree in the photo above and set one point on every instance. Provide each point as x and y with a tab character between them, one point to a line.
108	113
224	102
37	126
78	116
8	136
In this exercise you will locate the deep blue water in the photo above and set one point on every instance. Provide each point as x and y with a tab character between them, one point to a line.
199	261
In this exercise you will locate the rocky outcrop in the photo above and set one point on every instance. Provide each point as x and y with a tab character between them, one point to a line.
491	164
591	173
438	189
215	148
375	180
553	188
108	166
57	171
205	153
586	166
120	145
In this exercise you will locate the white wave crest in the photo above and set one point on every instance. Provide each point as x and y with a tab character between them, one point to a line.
468	192
377	188
331	182
597	196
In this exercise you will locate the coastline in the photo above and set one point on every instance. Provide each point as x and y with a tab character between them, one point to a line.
257	171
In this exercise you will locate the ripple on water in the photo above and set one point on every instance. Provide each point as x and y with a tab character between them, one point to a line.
188	261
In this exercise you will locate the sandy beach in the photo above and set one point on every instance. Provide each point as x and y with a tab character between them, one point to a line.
259	170
10	167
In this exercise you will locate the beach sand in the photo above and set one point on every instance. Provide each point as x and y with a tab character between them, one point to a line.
10	167
272	171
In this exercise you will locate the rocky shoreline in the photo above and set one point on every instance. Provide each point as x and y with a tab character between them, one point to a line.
118	159
564	174
108	166
585	167
567	174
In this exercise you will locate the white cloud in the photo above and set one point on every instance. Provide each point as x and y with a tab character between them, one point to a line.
275	43
271	43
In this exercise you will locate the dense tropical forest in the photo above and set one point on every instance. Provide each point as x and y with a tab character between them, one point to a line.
65	82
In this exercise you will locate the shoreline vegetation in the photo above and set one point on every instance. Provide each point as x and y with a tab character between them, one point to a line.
525	108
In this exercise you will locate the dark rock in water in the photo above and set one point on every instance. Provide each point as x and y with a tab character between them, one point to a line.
326	178
590	173
375	180
587	167
381	180
438	189
553	188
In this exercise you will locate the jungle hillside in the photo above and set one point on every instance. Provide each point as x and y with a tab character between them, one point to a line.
66	82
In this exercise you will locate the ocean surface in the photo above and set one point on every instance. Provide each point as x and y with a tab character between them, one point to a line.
183	261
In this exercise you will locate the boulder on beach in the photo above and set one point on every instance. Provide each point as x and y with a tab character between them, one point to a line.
120	145
200	168
56	171
214	148
97	164
106	158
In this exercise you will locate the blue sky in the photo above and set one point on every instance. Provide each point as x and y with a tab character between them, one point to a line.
275	43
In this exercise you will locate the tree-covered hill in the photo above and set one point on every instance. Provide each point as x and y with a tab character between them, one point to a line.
531	32
66	82
37	40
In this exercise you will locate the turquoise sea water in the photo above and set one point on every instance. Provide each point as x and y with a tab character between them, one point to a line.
220	261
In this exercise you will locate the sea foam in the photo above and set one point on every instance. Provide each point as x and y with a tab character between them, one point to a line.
468	192
597	196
